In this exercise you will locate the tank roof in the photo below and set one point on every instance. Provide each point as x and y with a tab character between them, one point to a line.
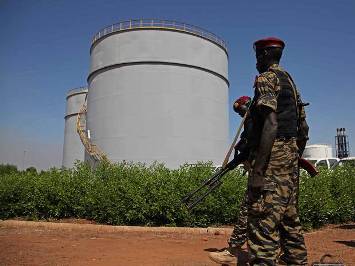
319	146
159	24
78	90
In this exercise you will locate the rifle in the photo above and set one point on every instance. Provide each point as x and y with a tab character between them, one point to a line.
213	182
241	125
309	167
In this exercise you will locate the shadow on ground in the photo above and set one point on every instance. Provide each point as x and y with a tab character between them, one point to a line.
350	243
346	226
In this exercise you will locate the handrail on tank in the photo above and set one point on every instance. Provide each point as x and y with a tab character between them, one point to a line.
77	89
156	24
93	150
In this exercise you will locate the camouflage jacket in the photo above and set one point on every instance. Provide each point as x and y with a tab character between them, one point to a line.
266	90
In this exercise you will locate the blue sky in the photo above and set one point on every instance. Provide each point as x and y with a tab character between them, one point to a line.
44	52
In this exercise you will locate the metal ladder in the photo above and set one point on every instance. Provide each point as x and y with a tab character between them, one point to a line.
93	150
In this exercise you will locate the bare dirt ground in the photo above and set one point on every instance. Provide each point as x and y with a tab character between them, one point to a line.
81	243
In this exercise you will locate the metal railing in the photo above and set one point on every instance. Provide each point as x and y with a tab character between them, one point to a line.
159	24
93	150
77	90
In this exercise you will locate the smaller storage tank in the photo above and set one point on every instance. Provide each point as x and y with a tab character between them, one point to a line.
73	149
318	151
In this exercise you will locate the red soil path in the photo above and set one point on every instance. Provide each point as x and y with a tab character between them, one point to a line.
44	243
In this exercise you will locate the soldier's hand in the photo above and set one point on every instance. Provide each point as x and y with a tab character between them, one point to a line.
247	166
256	179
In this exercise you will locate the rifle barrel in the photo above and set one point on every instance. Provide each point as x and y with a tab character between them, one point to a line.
192	204
204	183
213	182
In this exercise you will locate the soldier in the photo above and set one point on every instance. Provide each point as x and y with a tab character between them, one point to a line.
280	128
239	234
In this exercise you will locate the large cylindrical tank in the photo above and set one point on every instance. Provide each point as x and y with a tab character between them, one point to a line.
158	91
318	151
73	149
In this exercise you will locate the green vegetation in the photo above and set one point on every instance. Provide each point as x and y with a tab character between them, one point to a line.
135	194
7	169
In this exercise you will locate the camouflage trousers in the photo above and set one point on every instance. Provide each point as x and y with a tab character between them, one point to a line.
274	230
239	234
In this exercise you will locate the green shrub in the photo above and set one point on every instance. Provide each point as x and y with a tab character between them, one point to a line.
136	194
328	197
7	169
32	170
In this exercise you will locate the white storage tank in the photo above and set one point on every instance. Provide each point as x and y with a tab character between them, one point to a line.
73	149
317	151
158	91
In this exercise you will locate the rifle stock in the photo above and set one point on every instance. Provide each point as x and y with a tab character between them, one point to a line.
304	164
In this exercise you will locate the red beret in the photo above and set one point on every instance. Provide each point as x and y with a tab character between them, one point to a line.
244	100
269	42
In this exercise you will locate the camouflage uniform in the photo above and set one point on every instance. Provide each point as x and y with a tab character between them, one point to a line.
239	234
238	237
273	221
